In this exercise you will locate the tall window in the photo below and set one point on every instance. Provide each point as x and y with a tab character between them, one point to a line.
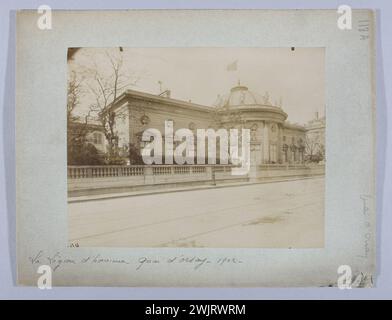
273	157
97	138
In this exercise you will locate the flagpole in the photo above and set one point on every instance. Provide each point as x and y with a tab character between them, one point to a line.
233	67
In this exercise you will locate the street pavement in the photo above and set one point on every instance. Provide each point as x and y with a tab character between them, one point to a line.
287	214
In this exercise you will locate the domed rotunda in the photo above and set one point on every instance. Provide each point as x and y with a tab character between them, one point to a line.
273	140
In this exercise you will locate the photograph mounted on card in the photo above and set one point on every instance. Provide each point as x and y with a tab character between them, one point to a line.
216	160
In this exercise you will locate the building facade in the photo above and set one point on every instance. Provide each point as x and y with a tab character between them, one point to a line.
273	139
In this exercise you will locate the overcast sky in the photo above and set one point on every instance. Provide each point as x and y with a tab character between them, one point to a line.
200	74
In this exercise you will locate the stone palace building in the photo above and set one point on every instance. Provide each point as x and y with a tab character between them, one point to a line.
273	139
277	147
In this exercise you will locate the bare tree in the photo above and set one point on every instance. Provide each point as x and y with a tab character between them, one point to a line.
79	152
106	88
73	96
322	151
310	146
74	92
314	150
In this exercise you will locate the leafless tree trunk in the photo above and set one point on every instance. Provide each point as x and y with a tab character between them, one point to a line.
311	145
106	88
73	95
76	129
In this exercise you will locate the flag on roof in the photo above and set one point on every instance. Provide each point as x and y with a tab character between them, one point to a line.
232	66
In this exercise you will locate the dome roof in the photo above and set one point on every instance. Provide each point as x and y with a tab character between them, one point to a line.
241	96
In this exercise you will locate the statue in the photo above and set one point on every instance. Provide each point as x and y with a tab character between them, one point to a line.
266	98
253	132
242	97
280	102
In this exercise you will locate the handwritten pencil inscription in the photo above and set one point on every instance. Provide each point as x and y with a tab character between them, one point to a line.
58	260
367	237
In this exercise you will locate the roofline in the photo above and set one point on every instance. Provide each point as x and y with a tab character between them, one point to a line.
185	104
160	99
294	126
255	107
88	126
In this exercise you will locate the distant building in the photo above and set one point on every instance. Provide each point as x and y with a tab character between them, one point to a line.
90	132
315	138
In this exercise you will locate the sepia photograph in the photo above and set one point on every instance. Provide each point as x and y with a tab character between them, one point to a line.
213	147
196	149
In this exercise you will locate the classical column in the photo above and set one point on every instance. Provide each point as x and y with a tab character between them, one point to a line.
255	151
131	126
258	144
266	152
279	147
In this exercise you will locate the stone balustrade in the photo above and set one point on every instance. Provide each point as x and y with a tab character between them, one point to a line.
83	172
86	180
